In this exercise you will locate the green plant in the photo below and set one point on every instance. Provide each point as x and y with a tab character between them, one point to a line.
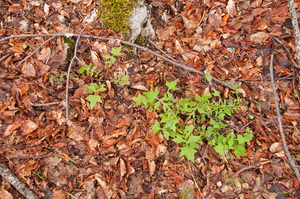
111	59
233	179
196	110
59	77
122	80
94	89
90	71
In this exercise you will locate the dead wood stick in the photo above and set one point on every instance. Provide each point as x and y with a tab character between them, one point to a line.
22	188
183	66
68	75
236	174
296	31
282	136
27	57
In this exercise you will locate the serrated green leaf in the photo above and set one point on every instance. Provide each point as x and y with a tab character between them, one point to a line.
86	90
107	57
179	139
125	80
116	51
216	93
81	69
188	152
172	85
196	139
93	99
140	99
220	149
156	127
151	95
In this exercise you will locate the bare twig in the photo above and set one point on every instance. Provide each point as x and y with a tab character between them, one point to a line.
68	75
168	56
48	104
287	50
183	66
296	31
27	57
286	150
236	174
195	180
6	173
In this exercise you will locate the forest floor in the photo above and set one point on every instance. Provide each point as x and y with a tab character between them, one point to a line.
87	149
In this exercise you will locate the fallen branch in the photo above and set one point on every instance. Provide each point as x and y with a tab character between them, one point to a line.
183	66
282	136
296	31
22	188
68	75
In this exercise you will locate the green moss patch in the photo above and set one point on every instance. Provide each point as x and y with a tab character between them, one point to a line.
115	13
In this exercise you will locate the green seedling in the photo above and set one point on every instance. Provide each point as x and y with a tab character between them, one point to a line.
89	70
122	80
59	78
110	60
93	89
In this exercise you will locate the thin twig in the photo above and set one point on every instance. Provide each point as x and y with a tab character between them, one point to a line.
236	174
287	50
286	150
6	173
168	56
195	180
68	75
259	79
48	104
183	66
27	57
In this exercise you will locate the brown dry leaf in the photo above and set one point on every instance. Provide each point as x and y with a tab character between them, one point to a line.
44	54
124	122
230	8
75	133
215	19
190	25
95	58
139	86
151	165
122	168
161	150
165	34
28	69
92	144
150	154
28	127
58	194
276	147
296	133
17	49
107	191
101	47
259	37
11	128
5	194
